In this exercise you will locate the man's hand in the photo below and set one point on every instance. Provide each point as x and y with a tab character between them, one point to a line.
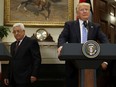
59	50
33	79
104	65
6	81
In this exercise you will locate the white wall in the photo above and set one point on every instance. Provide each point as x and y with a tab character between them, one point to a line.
53	31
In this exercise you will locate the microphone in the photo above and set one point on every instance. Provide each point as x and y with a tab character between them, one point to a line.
85	23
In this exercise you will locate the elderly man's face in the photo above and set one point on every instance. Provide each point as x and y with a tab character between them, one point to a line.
18	33
83	12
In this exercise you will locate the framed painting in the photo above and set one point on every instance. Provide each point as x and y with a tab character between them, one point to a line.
38	12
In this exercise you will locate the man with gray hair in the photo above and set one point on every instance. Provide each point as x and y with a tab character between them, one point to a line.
24	65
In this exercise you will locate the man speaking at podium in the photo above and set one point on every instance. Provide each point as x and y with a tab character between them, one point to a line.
79	31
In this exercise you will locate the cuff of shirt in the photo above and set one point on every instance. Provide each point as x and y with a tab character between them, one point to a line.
106	63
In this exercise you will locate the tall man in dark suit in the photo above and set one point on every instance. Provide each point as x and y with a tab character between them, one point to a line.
26	59
72	33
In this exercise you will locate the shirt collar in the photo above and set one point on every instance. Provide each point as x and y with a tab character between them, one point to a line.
21	40
81	21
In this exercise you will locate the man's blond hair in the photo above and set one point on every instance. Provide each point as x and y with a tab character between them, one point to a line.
82	4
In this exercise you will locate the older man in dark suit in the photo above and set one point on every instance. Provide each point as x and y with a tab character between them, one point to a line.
73	33
26	59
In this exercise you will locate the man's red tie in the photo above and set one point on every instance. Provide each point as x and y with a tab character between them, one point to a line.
17	45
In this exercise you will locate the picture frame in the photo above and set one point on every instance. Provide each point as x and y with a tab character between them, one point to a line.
31	14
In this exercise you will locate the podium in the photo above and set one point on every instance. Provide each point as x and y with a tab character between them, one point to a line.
87	66
4	56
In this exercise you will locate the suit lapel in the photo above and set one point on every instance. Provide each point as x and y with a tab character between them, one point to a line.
90	30
21	45
13	49
77	30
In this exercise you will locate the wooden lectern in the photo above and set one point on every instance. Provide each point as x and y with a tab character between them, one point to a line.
4	56
87	66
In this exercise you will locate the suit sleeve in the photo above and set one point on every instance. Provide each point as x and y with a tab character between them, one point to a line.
8	68
101	36
35	51
64	36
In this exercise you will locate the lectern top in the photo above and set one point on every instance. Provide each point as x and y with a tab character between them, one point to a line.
74	51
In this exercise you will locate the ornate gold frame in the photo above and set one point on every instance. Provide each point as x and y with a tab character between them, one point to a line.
8	19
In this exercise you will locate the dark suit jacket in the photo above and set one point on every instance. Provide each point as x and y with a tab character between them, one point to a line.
25	62
71	33
112	68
